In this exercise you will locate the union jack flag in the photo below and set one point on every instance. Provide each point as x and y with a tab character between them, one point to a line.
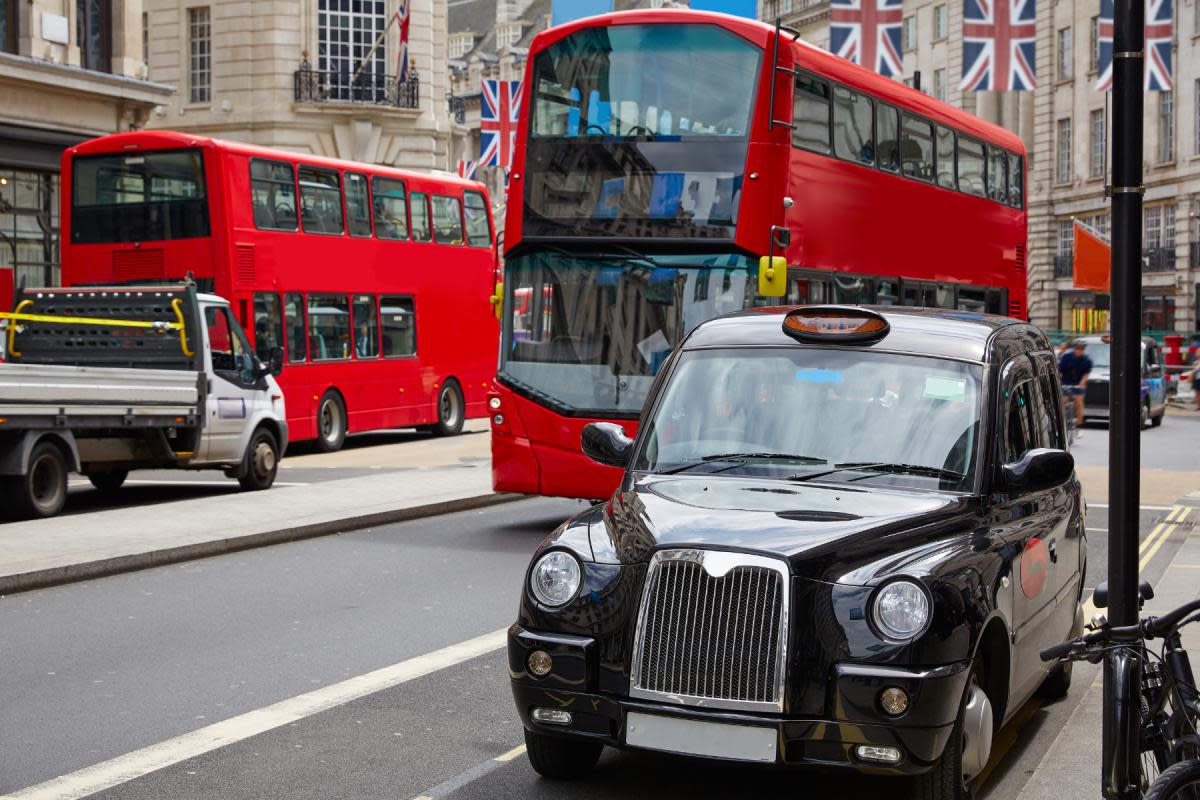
867	32
402	13
998	46
1160	30
498	112
466	168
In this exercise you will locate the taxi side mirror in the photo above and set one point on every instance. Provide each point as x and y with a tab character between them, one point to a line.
1040	468
772	276
606	443
497	300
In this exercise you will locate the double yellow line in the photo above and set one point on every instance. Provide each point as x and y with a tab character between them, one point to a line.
1161	533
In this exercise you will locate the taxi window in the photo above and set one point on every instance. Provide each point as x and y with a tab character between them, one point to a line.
1020	433
1051	407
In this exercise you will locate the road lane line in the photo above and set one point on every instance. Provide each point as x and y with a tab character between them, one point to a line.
516	752
1170	529
470	775
125	768
1144	508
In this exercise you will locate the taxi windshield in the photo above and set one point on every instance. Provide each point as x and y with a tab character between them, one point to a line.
837	415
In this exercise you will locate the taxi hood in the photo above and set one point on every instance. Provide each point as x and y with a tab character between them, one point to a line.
824	531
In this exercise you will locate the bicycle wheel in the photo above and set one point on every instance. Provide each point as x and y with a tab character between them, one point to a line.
1180	782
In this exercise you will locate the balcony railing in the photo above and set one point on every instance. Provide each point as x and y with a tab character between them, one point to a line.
1064	265
458	109
1158	259
326	86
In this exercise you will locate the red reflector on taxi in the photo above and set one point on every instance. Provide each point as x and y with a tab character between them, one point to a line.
835	324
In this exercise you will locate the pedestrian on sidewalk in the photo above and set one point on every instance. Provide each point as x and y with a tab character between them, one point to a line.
1073	370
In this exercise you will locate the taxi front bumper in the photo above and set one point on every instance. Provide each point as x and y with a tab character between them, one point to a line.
830	741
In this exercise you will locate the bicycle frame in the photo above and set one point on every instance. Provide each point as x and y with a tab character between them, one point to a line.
1121	730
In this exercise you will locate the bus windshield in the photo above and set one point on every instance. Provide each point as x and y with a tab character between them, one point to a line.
139	197
640	130
588	334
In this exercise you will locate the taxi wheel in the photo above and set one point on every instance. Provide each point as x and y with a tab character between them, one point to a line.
1058	683
952	777
562	759
1156	421
331	422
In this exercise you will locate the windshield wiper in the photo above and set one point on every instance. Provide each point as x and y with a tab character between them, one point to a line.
744	457
628	254
882	466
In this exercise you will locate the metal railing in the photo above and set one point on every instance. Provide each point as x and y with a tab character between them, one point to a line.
327	86
1158	259
458	109
1064	265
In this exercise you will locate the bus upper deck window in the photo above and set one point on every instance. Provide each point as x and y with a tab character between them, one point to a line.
945	157
320	201
887	137
853	126
420	217
447	220
810	114
970	166
273	195
916	148
997	179
358	205
479	231
390	208
1016	181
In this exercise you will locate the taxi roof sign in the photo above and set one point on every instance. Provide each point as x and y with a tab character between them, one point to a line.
835	324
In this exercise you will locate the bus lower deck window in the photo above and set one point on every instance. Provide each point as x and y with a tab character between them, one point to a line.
399	325
268	324
366	327
328	326
293	309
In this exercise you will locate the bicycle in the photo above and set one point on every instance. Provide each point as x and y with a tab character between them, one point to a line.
1151	724
1068	412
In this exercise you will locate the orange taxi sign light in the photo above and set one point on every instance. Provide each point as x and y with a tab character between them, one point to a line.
835	324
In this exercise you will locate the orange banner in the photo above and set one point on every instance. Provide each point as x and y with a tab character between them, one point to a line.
1093	257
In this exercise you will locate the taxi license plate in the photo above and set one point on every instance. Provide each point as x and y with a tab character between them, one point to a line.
697	738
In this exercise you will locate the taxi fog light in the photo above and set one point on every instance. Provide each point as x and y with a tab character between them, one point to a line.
881	755
540	663
551	716
894	700
493	403
498	419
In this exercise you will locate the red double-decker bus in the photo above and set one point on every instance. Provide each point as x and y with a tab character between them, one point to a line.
357	271
661	155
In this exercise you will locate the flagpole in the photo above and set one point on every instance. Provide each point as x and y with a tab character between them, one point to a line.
374	47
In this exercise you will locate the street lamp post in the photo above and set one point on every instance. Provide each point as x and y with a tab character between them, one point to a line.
1124	434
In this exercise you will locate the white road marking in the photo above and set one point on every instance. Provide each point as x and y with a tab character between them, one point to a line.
1144	508
122	769
149	482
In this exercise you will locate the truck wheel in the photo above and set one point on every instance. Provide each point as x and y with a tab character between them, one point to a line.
261	462
451	410
42	490
1156	421
331	422
952	777
563	759
110	481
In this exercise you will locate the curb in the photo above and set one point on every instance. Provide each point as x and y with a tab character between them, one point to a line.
55	576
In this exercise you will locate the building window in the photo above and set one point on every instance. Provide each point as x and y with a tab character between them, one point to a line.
200	55
1094	44
939	84
1152	227
1063	174
908	34
8	26
507	35
1196	112
1097	141
346	34
29	226
1158	312
939	22
1168	212
1166	126
461	44
1066	52
145	41
93	31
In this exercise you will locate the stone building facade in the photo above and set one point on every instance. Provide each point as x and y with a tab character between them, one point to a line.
69	71
1064	124
314	76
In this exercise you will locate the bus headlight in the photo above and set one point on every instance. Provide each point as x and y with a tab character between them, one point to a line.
555	578
901	610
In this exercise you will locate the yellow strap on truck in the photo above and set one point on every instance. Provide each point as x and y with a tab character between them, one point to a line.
17	316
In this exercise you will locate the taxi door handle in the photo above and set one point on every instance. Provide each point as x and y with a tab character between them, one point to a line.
1053	548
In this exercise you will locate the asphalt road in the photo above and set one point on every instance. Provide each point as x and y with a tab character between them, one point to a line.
96	670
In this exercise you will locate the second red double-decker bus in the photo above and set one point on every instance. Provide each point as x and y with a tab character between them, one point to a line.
661	155
359	272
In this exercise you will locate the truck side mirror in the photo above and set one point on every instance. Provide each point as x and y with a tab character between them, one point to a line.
606	443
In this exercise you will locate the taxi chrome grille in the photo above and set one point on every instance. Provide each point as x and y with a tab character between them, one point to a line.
1096	393
712	630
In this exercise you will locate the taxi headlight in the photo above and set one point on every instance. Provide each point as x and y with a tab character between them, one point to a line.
901	610
555	578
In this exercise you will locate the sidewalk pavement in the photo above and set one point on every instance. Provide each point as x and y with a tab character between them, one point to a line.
1070	768
70	548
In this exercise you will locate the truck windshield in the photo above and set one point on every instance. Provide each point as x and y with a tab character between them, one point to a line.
842	415
640	130
588	334
139	197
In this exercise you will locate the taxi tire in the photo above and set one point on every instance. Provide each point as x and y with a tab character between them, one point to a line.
944	780
1057	684
561	759
1156	421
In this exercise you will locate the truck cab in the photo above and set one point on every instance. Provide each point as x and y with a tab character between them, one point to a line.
104	380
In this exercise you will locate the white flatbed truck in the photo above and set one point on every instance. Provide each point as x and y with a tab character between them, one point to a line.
102	380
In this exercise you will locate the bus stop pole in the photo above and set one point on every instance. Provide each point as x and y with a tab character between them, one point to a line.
1124	433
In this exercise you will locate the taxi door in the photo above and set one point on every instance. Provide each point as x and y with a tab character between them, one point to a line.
233	386
1032	523
1154	382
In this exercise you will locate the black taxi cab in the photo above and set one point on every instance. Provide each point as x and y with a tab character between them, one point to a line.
842	538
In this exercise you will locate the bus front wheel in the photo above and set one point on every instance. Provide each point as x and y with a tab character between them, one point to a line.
331	422
451	409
